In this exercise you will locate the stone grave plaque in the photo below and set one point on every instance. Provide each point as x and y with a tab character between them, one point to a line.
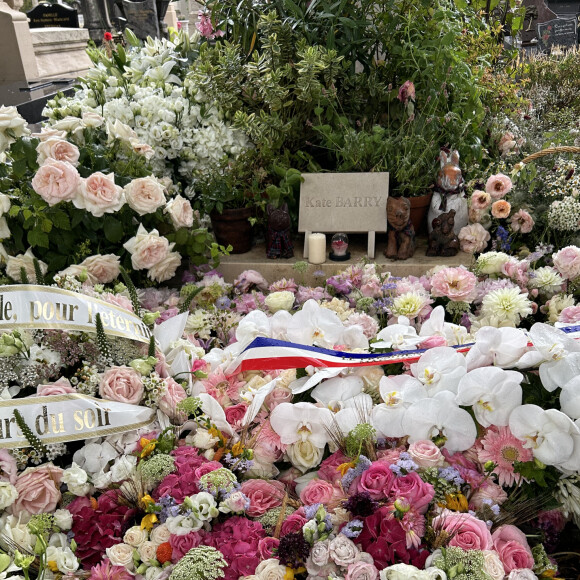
558	32
344	202
53	16
142	18
537	12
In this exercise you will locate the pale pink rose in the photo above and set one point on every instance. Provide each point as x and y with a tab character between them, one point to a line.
143	149
180	212
166	267
145	195
469	532
8	467
513	548
570	315
361	571
488	491
99	194
58	149
480	199
473	238
457	284
426	454
38	490
377	480
522	222
104	268
498	185
263	495
49	133
412	488
122	384
475	215
567	262
60	387
118	300
147	248
317	491
174	394
501	209
277	396
56	181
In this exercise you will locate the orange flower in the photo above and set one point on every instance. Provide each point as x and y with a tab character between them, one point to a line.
164	552
501	209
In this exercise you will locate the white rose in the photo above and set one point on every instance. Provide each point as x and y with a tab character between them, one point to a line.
270	569
66	561
63	519
103	268
145	195
147	551
203	440
152	573
283	300
342	550
5	204
522	574
166	268
15	263
16	530
160	534
68	124
180	212
121	555
8	494
91	119
10	120
304	455
74	475
118	130
80	489
147	248
135	536
493	565
124	468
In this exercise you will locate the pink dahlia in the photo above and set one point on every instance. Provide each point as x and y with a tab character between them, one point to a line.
457	284
502	447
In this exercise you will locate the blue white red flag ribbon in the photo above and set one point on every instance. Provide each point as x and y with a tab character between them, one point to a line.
268	354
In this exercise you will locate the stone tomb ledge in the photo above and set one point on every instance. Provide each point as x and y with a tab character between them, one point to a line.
61	52
233	265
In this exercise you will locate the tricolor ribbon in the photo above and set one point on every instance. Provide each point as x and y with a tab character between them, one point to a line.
268	354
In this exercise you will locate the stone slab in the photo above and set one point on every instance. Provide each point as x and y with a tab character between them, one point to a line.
53	15
142	18
558	32
232	266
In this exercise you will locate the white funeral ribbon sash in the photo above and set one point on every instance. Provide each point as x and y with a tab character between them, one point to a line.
31	306
70	417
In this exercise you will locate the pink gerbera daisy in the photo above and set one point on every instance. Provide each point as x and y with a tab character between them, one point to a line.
413	523
502	447
222	388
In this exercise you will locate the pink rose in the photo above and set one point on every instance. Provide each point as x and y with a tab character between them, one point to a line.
145	195
207	468
174	394
468	532
118	300
570	315
498	185
8	467
59	150
473	238
488	491
457	284
99	194
293	523
180	545
122	384
522	221
104	268
317	491
513	548
361	571
60	387
235	414
277	396
426	454
480	199
266	547
412	488
56	181
147	248
165	269
377	480
263	495
180	212
38	490
567	262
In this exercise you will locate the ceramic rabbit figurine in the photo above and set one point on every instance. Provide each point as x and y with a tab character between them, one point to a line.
449	192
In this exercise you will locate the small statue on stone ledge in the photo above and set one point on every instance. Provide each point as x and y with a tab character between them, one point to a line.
401	234
278	240
442	240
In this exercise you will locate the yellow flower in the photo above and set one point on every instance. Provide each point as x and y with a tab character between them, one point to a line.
290	572
456	502
148	521
344	467
52	565
237	449
148	446
146	501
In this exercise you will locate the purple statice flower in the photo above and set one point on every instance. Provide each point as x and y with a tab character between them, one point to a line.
404	464
451	474
352	529
310	510
362	465
223	303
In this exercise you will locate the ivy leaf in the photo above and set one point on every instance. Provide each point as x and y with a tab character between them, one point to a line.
61	220
113	229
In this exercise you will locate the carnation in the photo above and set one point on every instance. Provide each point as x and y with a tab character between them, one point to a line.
473	238
457	284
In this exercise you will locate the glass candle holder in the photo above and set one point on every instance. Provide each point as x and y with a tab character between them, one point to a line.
339	248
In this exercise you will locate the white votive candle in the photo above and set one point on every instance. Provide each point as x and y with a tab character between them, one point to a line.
316	248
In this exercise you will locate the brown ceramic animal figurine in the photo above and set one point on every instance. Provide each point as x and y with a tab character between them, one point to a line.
401	234
278	240
442	240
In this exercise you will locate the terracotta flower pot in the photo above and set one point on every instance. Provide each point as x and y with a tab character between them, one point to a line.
232	227
419	208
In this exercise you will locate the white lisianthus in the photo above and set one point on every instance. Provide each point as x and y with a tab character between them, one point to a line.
66	561
63	519
491	262
282	300
236	502
203	505
182	525
74	475
8	494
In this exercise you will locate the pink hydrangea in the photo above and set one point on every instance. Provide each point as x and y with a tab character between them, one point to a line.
457	284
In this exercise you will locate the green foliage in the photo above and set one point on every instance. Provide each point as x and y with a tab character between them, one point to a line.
102	340
34	441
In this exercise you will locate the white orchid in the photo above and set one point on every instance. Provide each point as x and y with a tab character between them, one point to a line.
501	347
351	413
254	324
399	336
493	393
337	390
442	420
551	435
440	369
435	325
398	394
551	347
300	421
570	398
314	325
